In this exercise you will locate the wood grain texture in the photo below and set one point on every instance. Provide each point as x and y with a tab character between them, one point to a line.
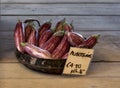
60	9
96	70
65	82
80	22
60	1
8	56
99	75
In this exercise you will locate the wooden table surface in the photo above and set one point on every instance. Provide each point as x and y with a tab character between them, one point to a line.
90	17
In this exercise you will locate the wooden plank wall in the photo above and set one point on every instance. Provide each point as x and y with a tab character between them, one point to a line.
90	17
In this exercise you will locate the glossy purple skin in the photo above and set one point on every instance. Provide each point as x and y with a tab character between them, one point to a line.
32	37
19	36
44	37
75	39
36	51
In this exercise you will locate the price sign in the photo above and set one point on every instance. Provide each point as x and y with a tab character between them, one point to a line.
78	61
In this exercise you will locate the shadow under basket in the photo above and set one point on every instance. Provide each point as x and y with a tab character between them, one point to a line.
52	66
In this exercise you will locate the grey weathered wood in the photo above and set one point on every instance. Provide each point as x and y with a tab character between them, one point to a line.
60	1
4	45
60	9
80	22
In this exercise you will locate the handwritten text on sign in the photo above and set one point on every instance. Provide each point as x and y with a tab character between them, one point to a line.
78	61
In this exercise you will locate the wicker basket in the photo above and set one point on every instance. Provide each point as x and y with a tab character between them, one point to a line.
52	66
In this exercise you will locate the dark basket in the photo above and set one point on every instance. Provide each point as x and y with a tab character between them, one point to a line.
52	66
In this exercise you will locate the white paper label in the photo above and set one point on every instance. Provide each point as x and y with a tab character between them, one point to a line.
78	61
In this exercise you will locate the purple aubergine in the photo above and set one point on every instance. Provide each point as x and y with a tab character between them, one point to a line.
65	56
32	37
36	51
75	39
19	36
90	42
44	37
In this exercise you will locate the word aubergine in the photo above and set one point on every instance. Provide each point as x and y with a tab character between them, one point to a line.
80	54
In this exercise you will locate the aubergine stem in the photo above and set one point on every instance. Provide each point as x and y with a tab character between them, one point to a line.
59	33
96	35
19	20
52	29
71	24
23	44
32	25
63	20
49	21
63	23
31	20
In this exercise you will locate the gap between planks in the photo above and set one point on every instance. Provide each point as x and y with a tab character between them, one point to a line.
63	9
58	15
84	23
60	1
